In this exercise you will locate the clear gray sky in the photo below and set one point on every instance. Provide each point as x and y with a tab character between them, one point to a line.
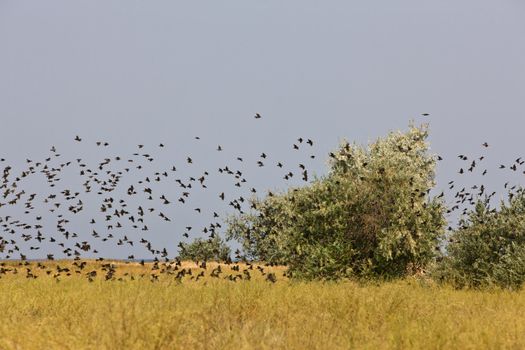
131	72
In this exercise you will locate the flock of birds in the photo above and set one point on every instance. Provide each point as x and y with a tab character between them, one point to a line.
120	223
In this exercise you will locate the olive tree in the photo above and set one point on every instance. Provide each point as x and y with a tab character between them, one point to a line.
205	250
488	248
370	216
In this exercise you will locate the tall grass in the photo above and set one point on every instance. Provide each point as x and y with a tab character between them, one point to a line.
219	314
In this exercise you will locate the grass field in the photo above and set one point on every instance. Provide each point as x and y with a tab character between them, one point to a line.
216	313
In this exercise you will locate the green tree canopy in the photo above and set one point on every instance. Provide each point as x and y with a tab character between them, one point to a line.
212	249
489	246
371	215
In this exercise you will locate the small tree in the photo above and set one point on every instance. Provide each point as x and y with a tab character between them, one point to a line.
489	246
205	250
371	216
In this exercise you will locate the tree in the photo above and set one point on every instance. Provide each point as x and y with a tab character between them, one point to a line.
488	248
370	216
205	250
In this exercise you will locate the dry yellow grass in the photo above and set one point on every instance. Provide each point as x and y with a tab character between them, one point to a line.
214	313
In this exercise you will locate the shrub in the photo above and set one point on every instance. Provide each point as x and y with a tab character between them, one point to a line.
370	216
205	250
489	246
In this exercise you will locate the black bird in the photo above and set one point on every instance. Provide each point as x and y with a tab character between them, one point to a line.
270	277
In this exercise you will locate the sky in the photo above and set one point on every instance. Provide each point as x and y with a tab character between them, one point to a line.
149	72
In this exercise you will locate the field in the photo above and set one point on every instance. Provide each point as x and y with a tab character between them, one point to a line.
216	313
